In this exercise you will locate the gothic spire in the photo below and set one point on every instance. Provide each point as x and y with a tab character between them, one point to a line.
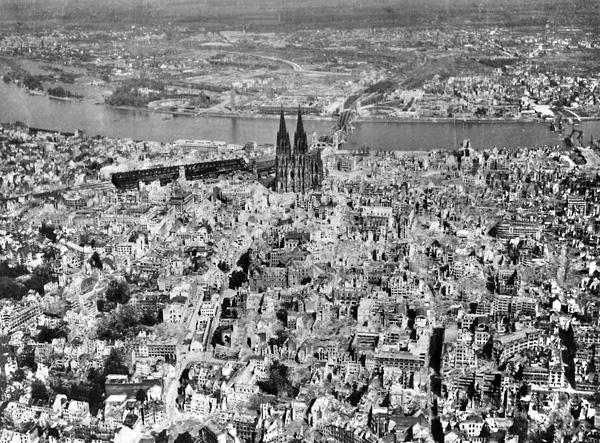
300	141
283	137
299	126
282	128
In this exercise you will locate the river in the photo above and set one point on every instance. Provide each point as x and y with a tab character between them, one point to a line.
67	116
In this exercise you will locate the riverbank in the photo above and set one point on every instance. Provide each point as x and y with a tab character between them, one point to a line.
399	134
326	118
369	119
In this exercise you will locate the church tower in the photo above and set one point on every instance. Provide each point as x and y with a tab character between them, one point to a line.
296	168
300	142
282	156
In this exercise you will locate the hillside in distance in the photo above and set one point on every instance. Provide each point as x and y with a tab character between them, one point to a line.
305	13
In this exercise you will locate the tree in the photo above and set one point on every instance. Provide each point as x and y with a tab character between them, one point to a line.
149	319
40	276
118	323
140	395
104	306
10	289
46	335
12	271
49	253
223	266
27	358
115	364
127	318
278	382
95	261
31	82
18	375
61	92
216	338
117	292
39	391
237	279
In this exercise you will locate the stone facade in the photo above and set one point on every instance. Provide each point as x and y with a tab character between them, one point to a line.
298	169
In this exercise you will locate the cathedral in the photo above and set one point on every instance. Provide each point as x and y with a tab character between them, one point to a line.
296	168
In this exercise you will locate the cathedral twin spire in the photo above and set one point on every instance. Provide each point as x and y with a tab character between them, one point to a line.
283	137
297	170
300	142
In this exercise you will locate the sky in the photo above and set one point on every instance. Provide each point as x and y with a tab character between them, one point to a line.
186	10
